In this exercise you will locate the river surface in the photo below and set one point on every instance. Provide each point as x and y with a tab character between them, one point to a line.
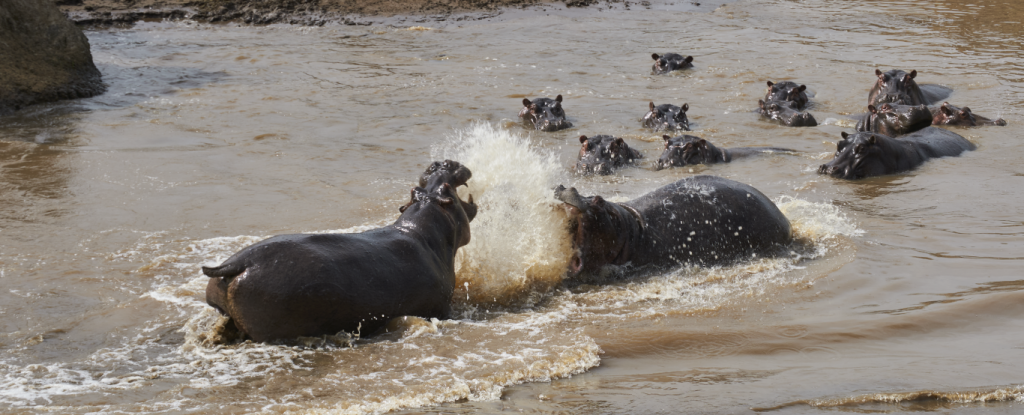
904	293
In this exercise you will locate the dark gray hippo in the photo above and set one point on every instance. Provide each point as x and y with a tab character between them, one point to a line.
316	284
687	150
699	220
787	91
666	117
602	154
783	113
866	154
899	87
895	119
947	114
544	114
669	62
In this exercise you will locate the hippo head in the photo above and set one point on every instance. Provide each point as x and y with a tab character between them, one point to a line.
895	119
669	62
544	114
895	87
437	193
601	231
951	115
786	91
857	156
784	113
685	150
601	154
667	117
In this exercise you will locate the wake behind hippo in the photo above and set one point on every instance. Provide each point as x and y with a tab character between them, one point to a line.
700	220
688	150
315	284
867	154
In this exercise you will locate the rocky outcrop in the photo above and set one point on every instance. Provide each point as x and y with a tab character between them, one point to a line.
43	56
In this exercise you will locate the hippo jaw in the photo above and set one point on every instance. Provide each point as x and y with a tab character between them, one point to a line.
438	189
601	231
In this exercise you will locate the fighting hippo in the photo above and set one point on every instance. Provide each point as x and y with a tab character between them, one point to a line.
669	62
315	284
602	154
866	154
699	220
666	117
899	87
688	150
544	114
947	114
895	119
787	91
783	113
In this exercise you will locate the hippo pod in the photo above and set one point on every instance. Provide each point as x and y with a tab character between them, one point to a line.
688	150
669	62
316	284
544	114
895	119
700	220
947	114
784	113
898	87
868	154
787	91
602	154
666	117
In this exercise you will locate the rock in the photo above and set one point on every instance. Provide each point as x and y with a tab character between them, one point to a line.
44	57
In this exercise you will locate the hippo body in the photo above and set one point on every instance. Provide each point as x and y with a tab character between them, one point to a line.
784	113
700	220
315	284
787	91
899	87
867	154
602	154
667	117
895	119
688	150
669	62
947	114
544	114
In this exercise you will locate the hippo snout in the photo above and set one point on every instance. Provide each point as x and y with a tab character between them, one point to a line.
826	169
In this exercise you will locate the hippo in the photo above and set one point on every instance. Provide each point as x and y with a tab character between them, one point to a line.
783	113
688	150
947	114
787	91
544	114
602	154
669	62
899	87
867	154
317	284
895	119
699	220
667	117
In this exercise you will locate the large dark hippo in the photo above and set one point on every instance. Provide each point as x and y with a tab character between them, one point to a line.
666	117
602	154
544	114
899	87
787	91
700	220
783	113
947	114
895	119
669	62
688	150
865	154
315	284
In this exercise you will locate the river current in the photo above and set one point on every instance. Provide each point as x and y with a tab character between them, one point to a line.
903	293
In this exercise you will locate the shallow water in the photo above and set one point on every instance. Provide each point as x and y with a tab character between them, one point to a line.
902	295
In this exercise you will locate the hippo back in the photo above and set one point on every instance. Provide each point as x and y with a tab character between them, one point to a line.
939	142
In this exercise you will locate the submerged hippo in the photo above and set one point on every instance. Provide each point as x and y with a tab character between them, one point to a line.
783	113
316	284
700	220
895	119
688	150
669	62
544	114
666	117
787	91
947	114
602	154
868	154
899	87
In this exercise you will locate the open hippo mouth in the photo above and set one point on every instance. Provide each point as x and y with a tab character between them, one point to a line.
443	178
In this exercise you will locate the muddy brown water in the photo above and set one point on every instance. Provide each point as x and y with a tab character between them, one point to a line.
903	295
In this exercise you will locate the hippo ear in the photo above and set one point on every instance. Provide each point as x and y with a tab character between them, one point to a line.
845	135
618	143
597	201
666	138
688	59
965	109
872	109
945	109
526	102
878	73
702	142
652	106
872	140
770	83
801	88
913	74
760	103
655	56
583	139
558	98
685	107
